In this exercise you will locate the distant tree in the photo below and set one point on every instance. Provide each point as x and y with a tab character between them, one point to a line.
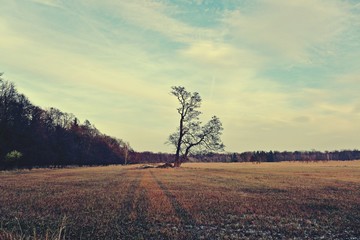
234	158
191	135
8	98
270	157
126	150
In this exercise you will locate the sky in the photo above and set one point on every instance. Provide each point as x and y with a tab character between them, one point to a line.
280	75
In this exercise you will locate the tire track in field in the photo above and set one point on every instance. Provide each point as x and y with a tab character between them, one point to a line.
185	217
132	218
141	226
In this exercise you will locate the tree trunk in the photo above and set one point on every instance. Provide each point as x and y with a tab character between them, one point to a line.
177	161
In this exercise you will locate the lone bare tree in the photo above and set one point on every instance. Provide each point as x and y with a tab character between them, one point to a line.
191	135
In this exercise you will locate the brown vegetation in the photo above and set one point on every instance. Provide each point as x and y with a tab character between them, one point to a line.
199	201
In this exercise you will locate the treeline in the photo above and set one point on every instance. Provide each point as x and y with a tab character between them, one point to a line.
276	156
31	136
34	137
256	156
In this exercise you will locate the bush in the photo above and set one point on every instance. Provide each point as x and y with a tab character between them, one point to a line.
12	158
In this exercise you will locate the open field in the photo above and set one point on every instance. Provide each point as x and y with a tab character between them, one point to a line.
197	201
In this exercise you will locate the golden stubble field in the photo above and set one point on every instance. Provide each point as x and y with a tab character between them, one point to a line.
197	201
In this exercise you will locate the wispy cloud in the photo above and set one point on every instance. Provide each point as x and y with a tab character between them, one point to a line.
295	30
155	16
50	3
221	55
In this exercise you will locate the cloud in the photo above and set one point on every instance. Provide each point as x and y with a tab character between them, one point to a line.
302	119
290	29
352	78
155	16
68	58
356	109
50	3
220	54
75	70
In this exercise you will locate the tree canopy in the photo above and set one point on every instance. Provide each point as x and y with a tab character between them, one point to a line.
31	136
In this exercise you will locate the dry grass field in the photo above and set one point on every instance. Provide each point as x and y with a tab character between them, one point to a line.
197	201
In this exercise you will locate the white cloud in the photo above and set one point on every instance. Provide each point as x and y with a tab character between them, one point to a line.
289	29
76	60
155	16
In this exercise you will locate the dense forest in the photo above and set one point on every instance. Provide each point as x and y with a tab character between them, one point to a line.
34	137
31	136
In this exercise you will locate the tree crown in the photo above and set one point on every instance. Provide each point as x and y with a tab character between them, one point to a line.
191	135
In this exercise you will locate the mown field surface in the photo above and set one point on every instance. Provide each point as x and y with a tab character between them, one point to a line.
197	201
